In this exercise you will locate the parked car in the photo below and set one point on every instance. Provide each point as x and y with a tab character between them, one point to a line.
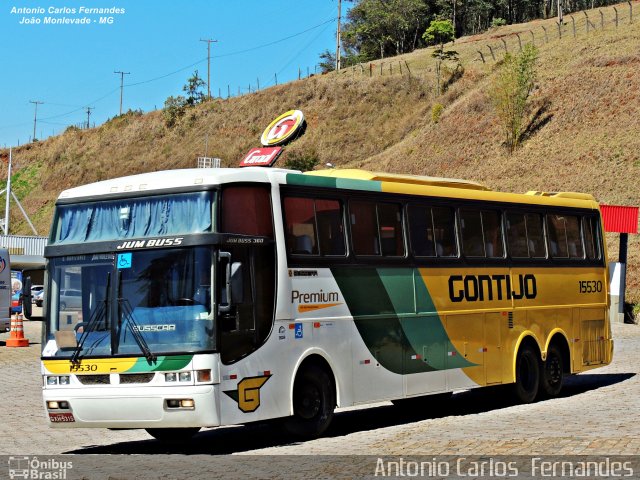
35	289
70	299
38	298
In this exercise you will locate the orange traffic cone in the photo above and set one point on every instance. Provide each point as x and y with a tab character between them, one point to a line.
16	337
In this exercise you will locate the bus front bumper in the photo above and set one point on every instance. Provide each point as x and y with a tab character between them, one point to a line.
148	407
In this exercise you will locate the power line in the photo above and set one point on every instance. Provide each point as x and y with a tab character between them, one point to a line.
238	52
122	74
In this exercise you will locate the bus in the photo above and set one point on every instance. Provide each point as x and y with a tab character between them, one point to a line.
184	299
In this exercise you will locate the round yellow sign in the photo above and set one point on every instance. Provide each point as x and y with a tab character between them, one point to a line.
283	128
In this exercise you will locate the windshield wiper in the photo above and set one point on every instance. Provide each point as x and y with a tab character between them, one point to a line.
91	325
134	328
132	325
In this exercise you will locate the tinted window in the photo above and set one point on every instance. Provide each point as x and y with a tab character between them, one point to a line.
432	231
390	229
472	238
314	226
564	236
481	233
525	235
376	229
591	243
535	236
247	211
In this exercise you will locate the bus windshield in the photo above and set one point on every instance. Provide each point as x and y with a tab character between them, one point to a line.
121	304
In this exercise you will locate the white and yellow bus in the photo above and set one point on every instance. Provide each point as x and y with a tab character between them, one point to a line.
195	298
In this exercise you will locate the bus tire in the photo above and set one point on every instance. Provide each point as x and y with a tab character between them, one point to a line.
527	375
552	373
314	400
172	435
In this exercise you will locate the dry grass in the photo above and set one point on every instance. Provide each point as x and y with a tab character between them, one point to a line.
586	114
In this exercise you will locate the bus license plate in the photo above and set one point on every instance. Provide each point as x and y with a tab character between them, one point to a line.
61	417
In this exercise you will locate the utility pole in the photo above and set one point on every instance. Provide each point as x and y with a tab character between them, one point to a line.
209	42
338	36
89	115
35	117
6	208
122	74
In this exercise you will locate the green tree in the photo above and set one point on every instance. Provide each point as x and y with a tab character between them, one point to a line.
194	90
439	33
510	91
379	28
327	62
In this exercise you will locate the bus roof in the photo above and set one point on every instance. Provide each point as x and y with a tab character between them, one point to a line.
353	179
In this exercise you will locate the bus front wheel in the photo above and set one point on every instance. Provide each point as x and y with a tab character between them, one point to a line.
314	399
552	373
172	435
527	375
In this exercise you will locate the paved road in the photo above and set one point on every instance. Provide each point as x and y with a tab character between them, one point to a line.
598	414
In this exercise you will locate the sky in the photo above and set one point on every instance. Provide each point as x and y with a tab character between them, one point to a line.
70	67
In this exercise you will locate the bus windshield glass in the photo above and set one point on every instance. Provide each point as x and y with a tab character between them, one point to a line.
142	217
122	304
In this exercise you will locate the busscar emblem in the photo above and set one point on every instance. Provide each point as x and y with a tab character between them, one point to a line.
248	393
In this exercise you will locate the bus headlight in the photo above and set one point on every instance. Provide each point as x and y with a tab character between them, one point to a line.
52	380
185	376
170	377
64	380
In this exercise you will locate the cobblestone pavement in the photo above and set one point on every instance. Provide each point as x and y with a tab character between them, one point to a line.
598	414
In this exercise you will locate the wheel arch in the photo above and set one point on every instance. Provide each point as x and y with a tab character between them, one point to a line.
318	357
526	338
559	338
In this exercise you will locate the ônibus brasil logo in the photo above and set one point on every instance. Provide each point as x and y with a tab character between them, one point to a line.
283	128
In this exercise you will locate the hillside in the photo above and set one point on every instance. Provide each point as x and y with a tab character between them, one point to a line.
585	134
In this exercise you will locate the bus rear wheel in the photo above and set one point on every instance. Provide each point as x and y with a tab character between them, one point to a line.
527	375
552	373
172	435
314	399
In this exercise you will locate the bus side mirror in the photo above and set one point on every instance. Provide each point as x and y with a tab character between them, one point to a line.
26	298
237	283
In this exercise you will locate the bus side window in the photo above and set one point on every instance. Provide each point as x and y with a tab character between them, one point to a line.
557	236
300	226
364	226
574	239
591	243
423	242
472	238
517	235
390	225
444	227
492	228
535	236
330	227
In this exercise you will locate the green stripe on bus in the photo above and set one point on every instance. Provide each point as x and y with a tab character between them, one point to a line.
397	319
162	364
376	320
331	182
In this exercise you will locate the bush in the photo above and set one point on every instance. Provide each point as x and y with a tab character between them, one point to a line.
436	112
498	22
174	108
303	161
510	91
